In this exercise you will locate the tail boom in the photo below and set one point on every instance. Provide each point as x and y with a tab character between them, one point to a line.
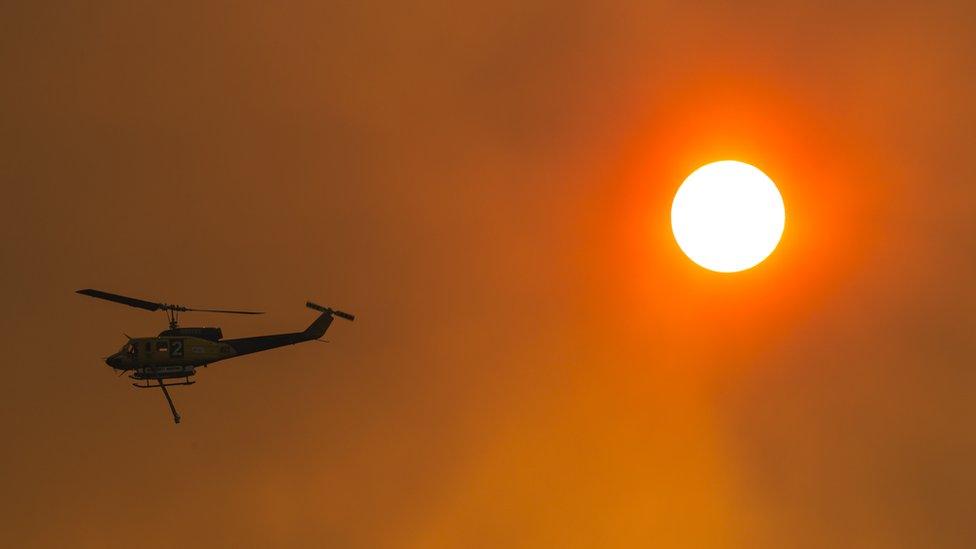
248	345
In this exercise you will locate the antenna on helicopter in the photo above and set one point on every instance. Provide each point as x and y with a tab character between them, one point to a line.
172	311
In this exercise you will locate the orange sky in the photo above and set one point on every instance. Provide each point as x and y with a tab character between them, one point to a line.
487	187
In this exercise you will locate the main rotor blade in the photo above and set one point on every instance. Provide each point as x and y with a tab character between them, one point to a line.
130	301
150	306
225	311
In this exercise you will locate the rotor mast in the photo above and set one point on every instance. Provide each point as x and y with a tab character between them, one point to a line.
173	316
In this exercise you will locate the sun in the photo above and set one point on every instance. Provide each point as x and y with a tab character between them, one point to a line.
728	216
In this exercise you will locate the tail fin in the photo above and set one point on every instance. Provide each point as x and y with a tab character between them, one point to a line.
317	329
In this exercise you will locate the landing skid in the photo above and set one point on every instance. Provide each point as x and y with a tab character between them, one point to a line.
148	386
163	386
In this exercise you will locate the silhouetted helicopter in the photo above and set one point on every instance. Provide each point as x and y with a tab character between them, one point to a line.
177	352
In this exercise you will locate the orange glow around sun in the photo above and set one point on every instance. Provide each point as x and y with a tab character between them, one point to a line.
822	175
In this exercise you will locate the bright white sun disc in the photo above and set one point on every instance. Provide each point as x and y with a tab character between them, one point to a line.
728	216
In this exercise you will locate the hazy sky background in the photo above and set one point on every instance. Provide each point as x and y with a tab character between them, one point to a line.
487	187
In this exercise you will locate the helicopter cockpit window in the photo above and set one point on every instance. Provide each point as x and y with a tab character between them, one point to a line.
129	349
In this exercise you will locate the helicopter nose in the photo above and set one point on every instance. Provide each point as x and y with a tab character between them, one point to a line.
114	361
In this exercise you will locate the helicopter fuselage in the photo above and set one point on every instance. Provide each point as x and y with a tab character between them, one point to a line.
169	355
178	352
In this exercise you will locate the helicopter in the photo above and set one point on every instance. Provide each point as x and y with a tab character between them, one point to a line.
171	358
